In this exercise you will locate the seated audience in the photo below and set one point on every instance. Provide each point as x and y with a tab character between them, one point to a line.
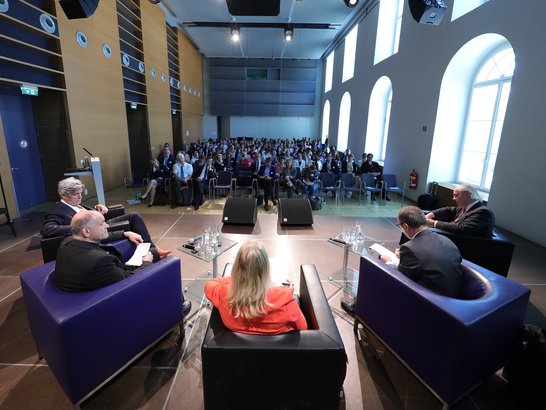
58	219
469	217
248	303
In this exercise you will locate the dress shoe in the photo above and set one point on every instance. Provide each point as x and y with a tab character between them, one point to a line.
186	307
274	201
150	205
173	206
162	253
196	206
266	207
388	199
348	306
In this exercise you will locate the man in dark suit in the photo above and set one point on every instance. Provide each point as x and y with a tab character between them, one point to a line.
469	217
84	264
267	175
58	219
203	171
428	258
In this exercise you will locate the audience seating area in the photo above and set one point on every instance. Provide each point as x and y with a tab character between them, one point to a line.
297	370
451	345
88	337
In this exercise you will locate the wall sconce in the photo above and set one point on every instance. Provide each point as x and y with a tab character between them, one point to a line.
351	3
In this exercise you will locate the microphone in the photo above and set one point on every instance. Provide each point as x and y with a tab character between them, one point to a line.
88	152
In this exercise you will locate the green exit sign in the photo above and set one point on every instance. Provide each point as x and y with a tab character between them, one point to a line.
29	90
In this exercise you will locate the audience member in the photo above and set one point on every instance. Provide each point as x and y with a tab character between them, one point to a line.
182	174
372	167
202	172
266	179
248	303
160	173
58	219
310	181
289	178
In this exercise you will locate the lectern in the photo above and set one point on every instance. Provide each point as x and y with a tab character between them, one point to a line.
97	177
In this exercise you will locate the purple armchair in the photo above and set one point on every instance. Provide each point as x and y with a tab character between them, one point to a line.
88	337
451	345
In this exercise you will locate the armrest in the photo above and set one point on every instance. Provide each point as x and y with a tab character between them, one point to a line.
115	211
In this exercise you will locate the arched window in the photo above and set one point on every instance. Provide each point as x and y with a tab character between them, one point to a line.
388	29
462	7
329	72
325	120
344	120
379	118
485	118
349	55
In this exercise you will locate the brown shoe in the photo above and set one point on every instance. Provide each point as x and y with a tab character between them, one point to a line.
162	253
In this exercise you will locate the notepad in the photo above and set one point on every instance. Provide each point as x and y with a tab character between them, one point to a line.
381	250
141	250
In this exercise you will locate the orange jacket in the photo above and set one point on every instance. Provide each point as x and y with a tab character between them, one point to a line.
283	313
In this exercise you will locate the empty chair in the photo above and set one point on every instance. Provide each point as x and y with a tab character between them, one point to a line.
222	183
244	181
350	184
389	181
328	183
136	180
368	184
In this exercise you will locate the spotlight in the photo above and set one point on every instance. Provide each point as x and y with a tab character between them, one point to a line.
235	34
351	3
288	34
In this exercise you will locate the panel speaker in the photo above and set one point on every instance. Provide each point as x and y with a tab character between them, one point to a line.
295	211
240	211
428	11
79	9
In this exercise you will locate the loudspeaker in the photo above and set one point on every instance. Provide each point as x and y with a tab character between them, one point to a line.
240	211
79	9
428	11
295	211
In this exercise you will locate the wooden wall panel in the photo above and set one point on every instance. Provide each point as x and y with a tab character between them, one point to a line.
95	92
154	34
194	124
191	75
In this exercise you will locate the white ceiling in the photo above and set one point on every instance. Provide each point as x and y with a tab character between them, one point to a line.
262	42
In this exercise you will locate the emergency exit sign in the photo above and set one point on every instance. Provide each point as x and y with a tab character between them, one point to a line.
29	90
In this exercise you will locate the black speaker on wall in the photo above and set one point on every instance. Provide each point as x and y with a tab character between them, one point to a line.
295	211
79	9
428	11
240	211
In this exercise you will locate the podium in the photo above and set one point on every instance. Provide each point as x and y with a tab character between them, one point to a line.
95	171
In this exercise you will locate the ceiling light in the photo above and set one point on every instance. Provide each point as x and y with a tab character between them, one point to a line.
351	3
288	34
235	35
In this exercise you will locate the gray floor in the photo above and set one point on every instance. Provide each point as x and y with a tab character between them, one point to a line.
169	375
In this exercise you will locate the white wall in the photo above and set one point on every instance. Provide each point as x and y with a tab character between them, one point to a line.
416	74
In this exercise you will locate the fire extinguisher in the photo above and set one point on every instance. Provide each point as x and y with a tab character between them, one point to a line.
413	178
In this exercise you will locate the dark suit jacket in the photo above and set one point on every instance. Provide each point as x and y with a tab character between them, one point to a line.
433	261
84	265
272	172
478	221
57	220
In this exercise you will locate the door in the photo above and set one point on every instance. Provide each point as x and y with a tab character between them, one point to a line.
23	148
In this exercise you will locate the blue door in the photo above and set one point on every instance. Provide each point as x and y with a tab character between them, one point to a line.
23	149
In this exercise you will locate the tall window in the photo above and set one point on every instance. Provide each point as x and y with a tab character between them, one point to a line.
325	120
462	7
485	118
329	72
388	29
349	55
379	118
344	120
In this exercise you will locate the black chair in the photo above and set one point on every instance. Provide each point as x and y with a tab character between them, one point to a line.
494	254
244	181
297	370
222	183
328	183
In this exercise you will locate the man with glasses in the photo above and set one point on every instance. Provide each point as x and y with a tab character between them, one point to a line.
58	219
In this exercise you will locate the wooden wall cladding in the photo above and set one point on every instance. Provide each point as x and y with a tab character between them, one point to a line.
194	124
94	91
155	58
191	77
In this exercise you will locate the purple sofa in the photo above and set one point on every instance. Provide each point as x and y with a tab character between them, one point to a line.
88	337
451	345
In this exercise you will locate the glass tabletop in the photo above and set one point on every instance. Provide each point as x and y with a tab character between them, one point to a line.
208	254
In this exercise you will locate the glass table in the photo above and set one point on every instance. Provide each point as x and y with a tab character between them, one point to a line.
197	286
347	277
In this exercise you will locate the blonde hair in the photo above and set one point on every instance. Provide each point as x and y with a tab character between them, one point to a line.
247	296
